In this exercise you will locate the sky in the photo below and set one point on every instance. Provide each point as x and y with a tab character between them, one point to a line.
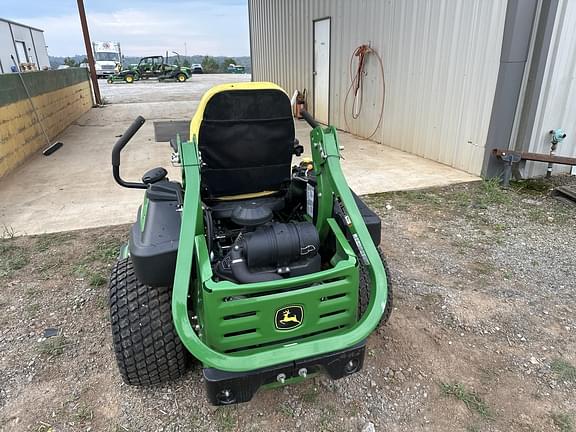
143	27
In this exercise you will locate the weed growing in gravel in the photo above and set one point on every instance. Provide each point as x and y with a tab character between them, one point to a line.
32	308
83	413
53	346
97	279
225	419
483	267
8	232
310	395
102	302
471	399
286	410
564	370
325	420
44	427
563	421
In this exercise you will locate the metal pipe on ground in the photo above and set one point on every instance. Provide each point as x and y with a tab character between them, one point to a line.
510	157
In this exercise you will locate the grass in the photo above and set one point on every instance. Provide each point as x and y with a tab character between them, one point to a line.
46	242
481	195
563	421
95	278
470	398
53	346
14	258
93	267
563	369
104	250
532	186
490	193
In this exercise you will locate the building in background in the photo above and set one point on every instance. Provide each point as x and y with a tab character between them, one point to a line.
461	77
25	43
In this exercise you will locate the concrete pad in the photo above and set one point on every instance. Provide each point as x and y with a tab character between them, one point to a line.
370	167
74	189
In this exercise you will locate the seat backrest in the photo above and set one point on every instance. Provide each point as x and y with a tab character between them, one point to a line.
245	135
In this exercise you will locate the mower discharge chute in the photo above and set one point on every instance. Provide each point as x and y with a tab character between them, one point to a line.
264	273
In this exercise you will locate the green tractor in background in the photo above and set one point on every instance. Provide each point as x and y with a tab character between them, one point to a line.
235	69
155	67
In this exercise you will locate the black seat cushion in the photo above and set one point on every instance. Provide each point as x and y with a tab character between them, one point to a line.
246	142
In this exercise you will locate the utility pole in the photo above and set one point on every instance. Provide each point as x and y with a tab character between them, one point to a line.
89	54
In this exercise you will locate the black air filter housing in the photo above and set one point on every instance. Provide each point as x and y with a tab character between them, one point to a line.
279	244
251	214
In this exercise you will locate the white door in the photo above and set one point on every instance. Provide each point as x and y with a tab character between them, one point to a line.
21	51
321	69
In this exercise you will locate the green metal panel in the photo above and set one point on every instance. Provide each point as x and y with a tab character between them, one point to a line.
193	283
38	82
241	316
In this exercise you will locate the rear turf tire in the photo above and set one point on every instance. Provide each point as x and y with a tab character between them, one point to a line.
148	350
365	287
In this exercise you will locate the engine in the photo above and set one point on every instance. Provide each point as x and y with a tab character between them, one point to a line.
256	242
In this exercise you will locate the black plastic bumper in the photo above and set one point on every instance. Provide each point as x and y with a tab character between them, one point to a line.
225	388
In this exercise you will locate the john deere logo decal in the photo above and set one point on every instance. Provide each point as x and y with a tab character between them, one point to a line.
289	317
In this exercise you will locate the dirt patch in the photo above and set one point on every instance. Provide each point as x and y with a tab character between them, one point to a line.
482	337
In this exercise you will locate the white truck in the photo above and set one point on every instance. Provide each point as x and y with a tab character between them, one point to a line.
108	58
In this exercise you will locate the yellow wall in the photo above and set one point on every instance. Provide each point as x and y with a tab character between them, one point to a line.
20	133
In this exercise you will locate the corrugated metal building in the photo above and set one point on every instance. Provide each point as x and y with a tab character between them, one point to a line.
461	77
25	43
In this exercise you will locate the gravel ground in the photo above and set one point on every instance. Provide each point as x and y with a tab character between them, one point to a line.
152	90
482	337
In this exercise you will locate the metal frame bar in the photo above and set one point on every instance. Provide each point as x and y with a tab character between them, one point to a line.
189	265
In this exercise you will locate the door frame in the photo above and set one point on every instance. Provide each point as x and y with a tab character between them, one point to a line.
329	18
26	57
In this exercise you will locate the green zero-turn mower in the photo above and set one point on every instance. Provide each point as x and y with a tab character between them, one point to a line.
264	273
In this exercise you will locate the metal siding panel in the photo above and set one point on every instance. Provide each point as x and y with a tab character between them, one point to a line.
441	60
41	50
6	46
557	102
